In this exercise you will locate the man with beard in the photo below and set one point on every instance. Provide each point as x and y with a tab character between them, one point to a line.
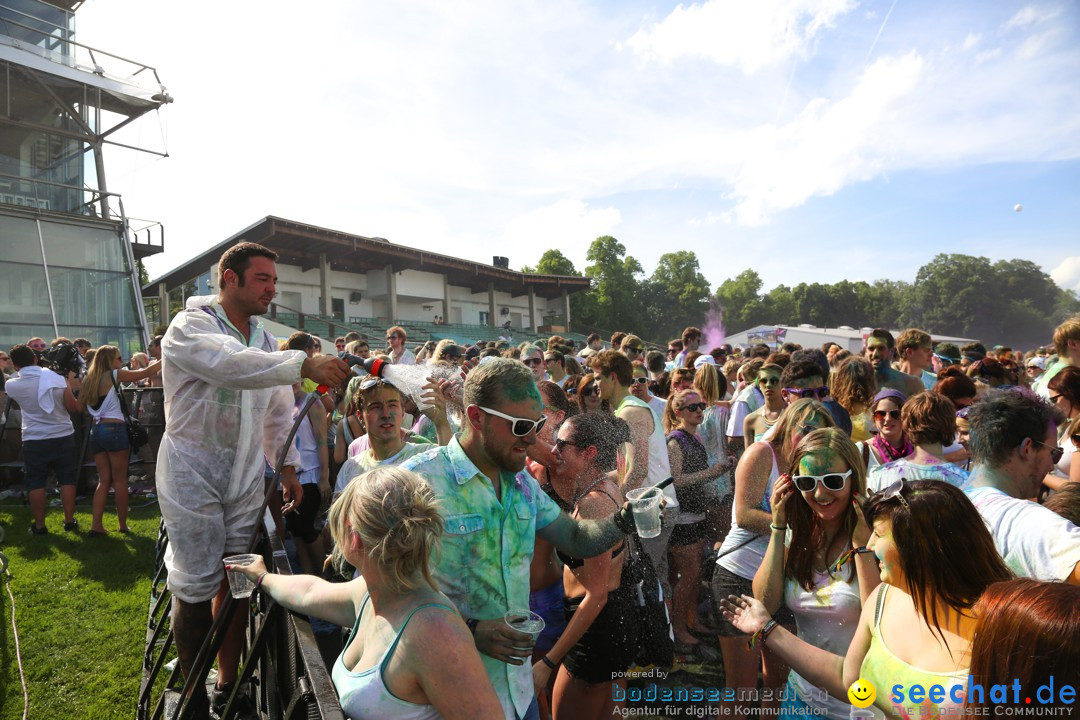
880	348
492	511
1013	443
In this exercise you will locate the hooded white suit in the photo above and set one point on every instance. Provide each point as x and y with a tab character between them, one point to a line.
227	405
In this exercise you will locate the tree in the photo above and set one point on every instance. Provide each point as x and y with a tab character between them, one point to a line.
677	295
552	262
740	300
615	287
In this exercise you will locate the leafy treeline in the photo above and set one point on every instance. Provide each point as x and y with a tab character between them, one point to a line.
1010	301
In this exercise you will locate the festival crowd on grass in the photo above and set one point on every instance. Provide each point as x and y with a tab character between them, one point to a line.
904	516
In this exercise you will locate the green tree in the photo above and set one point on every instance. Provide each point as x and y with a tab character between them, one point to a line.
552	262
615	292
676	295
739	299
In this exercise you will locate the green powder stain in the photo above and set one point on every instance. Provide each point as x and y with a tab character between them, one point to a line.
818	462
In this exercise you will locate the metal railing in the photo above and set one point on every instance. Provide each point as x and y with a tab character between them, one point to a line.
75	54
281	660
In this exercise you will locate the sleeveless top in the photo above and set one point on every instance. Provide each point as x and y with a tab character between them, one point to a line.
572	562
885	670
659	465
693	499
743	551
364	694
109	405
826	617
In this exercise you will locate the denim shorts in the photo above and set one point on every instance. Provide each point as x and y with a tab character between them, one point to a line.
56	453
108	437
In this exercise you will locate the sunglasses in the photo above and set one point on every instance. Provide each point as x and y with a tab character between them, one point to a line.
1053	399
392	337
635	349
590	390
820	393
519	426
372	382
560	444
882	414
641	380
831	481
769	382
533	362
894	491
1055	452
693	407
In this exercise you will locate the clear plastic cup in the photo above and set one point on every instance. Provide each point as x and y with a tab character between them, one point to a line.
239	585
645	504
525	621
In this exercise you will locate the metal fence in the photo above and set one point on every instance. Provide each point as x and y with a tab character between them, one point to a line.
281	660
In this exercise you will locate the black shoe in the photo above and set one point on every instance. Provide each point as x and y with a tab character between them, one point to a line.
242	706
35	530
71	526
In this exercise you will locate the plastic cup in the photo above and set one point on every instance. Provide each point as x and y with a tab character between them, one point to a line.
645	504
525	621
239	584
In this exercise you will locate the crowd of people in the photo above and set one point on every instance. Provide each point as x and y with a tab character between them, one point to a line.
905	514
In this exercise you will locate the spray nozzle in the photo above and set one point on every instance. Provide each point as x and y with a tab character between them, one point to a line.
373	365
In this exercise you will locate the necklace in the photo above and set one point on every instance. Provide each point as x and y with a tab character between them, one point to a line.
586	491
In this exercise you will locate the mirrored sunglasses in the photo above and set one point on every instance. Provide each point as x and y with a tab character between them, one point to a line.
882	414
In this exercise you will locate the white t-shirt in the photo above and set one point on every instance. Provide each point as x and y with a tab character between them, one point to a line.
747	401
658	405
1034	542
40	394
361	463
407	358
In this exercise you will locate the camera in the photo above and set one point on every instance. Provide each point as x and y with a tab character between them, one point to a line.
62	359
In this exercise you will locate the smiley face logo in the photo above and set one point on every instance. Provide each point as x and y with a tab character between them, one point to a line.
862	693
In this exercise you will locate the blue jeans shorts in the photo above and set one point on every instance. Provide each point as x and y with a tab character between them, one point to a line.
41	455
108	437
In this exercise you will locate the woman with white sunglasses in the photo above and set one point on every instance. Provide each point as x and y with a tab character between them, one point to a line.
809	565
936	559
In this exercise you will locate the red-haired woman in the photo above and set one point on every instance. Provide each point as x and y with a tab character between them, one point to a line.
1028	632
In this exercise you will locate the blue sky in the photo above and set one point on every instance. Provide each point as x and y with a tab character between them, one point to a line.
812	140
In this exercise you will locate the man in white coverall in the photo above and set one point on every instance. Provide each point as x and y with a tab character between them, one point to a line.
228	402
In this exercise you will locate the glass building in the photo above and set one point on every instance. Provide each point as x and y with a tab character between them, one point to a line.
68	250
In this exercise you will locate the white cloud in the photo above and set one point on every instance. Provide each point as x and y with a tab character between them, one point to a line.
828	146
567	224
746	35
971	40
1067	273
1031	15
1035	45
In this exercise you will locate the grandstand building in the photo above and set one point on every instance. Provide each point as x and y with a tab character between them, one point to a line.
330	282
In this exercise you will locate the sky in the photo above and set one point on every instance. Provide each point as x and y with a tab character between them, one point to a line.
810	140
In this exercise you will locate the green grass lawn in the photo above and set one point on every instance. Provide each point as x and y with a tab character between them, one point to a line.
80	605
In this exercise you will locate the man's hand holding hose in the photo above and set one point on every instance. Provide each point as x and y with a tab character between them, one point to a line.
326	370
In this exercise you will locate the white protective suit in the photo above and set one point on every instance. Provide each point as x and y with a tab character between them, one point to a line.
227	405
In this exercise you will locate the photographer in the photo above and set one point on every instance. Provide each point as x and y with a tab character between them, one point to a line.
47	433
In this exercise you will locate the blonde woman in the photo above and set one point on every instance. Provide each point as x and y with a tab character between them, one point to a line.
108	435
386	524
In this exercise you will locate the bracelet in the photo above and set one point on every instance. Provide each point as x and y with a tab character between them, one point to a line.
761	634
258	583
471	623
778	528
544	659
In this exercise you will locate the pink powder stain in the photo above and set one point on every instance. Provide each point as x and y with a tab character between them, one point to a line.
713	332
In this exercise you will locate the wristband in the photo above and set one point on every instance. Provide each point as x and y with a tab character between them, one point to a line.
258	583
779	528
471	623
544	659
761	634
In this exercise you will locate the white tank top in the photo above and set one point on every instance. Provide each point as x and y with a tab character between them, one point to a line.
659	464
109	409
826	617
364	694
746	559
